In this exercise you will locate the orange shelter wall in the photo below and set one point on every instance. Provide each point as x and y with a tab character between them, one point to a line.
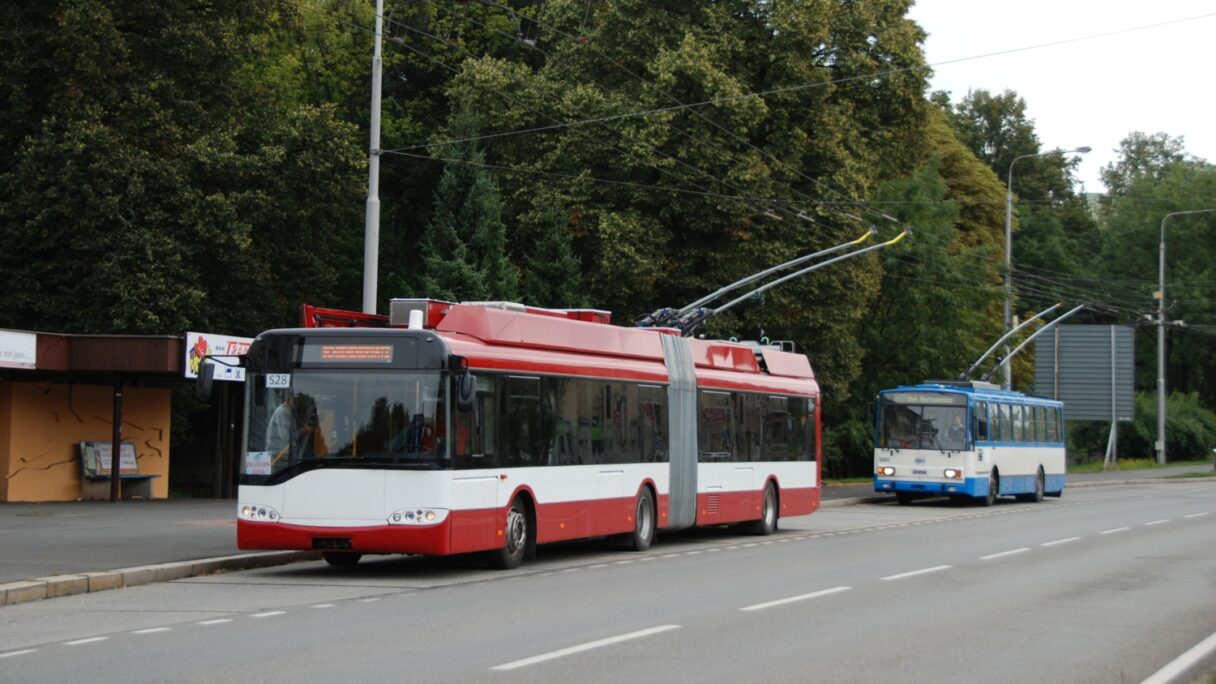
41	426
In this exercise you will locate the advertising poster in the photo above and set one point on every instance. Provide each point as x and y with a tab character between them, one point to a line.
199	345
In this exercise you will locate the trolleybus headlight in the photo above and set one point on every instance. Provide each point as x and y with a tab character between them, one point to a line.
258	512
886	470
953	473
418	516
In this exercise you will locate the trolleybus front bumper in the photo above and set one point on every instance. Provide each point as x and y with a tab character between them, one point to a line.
972	486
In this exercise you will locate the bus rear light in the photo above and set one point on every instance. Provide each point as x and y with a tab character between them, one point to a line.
886	471
418	516
953	473
258	513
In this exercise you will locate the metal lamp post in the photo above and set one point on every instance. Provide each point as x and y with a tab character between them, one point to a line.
1161	333
1007	367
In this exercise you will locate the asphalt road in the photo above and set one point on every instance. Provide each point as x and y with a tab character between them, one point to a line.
1110	583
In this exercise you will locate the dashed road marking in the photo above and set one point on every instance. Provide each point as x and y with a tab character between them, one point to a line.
1002	554
792	599
90	640
552	655
924	571
1057	542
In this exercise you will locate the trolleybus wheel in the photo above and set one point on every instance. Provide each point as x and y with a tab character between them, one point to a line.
767	524
1039	486
341	559
643	522
994	483
515	542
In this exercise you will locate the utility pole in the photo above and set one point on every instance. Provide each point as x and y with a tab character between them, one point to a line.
1160	295
371	226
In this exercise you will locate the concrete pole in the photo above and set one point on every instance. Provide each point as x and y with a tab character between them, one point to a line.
1007	367
1161	333
371	228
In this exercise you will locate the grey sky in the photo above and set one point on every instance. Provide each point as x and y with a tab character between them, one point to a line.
1084	91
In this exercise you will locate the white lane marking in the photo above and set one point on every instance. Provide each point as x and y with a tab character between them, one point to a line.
269	613
370	599
1183	662
324	605
220	621
583	647
152	630
792	599
17	653
1002	554
1116	530
597	566
1057	542
1195	515
915	572
1156	522
84	641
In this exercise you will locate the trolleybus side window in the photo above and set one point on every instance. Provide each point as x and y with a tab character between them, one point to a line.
716	429
777	429
981	421
652	423
1006	426
750	409
1053	424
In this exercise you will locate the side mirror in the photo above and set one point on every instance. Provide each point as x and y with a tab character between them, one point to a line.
466	389
206	378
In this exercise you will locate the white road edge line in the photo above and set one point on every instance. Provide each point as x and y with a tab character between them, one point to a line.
583	647
1002	554
84	641
1183	662
1057	542
792	599
17	653
915	572
152	630
1195	515
1117	529
1156	522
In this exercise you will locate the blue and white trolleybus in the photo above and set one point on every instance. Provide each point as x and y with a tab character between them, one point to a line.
968	439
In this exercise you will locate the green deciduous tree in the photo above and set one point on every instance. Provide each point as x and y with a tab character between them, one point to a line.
149	188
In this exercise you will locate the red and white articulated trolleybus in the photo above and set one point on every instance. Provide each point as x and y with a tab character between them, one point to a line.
456	428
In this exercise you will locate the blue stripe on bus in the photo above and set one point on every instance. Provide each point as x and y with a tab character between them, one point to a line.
972	486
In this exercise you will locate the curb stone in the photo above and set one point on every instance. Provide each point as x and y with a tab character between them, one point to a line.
40	588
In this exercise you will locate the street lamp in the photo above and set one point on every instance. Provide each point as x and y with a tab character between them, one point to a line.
1008	364
1161	333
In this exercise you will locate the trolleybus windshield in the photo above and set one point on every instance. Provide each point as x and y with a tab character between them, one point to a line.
321	418
922	420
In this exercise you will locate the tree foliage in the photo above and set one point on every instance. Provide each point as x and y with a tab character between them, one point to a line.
171	165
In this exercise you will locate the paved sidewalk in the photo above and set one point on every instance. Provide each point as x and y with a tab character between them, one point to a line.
52	549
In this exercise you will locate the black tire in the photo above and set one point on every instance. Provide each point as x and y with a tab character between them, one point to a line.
904	498
517	538
342	559
767	524
643	522
1037	495
994	484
